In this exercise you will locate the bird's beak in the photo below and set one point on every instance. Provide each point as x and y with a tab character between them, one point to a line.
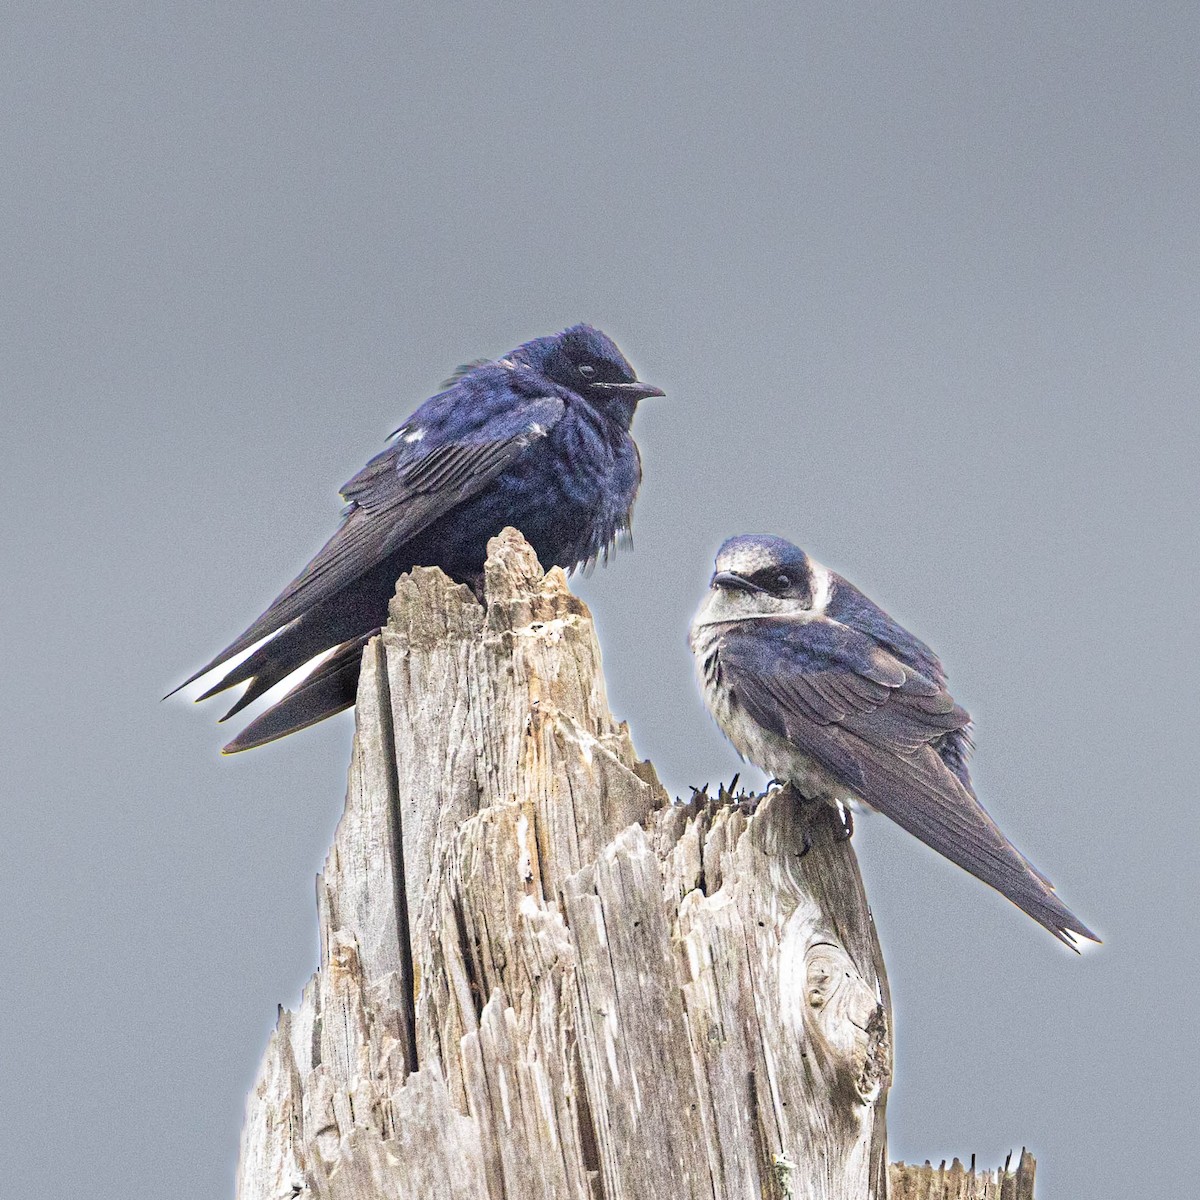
731	579
636	390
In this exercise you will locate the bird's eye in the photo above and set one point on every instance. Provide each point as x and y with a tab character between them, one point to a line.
781	582
587	371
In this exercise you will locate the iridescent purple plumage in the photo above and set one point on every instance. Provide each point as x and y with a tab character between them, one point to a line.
539	439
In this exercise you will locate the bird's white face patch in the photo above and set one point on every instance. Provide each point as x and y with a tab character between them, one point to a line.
727	604
724	604
414	436
822	587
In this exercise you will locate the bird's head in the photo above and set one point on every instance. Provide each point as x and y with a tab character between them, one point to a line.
762	576
588	363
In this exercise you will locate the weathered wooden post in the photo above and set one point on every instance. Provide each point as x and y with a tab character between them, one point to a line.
539	979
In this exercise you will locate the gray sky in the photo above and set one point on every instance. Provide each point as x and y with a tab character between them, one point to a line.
921	282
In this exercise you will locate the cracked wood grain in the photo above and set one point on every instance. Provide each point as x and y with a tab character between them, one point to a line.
539	978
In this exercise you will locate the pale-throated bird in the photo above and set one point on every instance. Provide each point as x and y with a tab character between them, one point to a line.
819	687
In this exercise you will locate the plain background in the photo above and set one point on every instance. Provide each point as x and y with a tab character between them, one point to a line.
921	283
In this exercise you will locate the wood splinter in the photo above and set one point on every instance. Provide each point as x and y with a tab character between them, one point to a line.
540	979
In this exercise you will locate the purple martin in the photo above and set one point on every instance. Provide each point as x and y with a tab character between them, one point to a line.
539	439
819	687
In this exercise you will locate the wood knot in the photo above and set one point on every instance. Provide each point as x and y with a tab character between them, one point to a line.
839	1015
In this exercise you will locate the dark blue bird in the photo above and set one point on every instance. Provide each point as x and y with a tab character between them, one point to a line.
538	439
818	686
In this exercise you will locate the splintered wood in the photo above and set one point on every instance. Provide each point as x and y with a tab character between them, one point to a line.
542	980
957	1182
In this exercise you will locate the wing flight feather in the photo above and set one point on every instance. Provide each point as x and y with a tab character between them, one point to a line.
874	723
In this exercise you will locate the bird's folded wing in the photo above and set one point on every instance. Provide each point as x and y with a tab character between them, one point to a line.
399	493
871	721
793	675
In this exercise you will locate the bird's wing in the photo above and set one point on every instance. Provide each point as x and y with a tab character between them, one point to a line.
871	721
434	465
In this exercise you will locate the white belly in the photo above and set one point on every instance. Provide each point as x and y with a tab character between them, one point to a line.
766	750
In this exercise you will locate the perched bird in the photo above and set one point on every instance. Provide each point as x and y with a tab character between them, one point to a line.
819	687
538	439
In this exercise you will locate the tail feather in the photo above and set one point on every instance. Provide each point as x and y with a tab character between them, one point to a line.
296	637
236	647
273	661
330	689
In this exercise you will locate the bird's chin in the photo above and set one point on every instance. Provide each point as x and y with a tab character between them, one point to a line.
712	611
723	605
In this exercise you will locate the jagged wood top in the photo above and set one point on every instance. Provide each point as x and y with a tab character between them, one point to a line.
539	978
